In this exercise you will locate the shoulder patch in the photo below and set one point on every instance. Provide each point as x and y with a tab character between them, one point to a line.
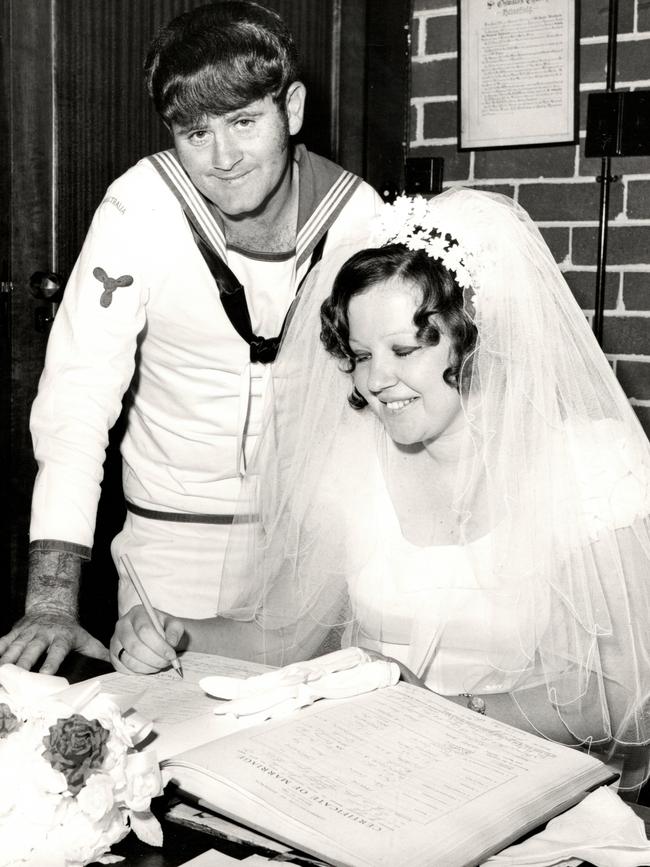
111	200
110	284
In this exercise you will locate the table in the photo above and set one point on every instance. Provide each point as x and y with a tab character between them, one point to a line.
180	843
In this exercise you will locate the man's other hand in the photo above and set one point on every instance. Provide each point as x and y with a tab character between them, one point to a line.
50	625
47	632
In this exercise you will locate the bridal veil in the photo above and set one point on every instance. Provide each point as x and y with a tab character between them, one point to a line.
553	491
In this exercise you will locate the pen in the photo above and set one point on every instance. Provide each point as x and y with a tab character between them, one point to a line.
148	607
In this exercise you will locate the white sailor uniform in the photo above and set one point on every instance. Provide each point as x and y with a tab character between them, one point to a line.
142	308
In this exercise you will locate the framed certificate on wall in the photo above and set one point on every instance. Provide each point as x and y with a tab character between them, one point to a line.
517	73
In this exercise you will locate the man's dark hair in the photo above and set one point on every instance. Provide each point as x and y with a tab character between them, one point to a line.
218	58
441	308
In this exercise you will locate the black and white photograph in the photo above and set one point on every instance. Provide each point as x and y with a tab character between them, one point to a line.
325	418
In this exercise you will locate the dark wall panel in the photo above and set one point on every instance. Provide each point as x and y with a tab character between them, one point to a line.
27	180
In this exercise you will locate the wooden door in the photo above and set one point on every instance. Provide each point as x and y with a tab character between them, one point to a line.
74	115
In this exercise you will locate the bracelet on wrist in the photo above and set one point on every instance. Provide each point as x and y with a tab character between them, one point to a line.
474	702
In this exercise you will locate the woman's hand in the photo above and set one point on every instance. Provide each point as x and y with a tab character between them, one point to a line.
136	646
405	673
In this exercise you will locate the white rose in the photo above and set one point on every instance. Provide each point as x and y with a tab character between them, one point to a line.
81	840
116	750
143	780
96	798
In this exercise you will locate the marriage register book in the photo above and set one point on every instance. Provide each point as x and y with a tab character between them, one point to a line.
398	776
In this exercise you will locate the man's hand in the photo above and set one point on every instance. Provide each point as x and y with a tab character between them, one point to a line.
50	623
53	632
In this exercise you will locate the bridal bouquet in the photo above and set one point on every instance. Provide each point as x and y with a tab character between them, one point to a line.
71	782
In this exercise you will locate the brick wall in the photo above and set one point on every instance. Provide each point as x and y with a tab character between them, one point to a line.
556	184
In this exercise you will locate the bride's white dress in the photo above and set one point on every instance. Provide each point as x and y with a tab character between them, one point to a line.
489	634
397	597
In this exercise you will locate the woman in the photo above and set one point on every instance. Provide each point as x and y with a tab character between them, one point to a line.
458	482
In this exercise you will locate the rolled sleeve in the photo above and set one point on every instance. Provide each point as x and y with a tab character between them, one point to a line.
48	545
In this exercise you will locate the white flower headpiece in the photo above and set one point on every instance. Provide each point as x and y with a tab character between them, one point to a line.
416	223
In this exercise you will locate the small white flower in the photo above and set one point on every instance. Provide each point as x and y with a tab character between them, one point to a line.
416	242
143	781
454	259
82	840
437	248
96	797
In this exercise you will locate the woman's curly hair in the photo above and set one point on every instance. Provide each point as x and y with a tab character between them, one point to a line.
441	308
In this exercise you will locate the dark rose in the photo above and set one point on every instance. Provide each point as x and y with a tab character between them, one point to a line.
8	721
76	747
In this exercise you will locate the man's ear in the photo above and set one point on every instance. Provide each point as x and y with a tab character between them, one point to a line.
295	106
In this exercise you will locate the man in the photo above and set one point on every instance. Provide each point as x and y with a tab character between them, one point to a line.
181	290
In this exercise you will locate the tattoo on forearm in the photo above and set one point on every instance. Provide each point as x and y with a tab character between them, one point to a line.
53	581
54	570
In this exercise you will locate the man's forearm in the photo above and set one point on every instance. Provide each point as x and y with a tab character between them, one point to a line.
50	628
53	582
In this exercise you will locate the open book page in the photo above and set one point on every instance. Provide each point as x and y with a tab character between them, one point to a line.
198	665
180	710
397	776
167	699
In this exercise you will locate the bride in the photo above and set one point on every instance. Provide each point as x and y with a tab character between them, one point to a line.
450	476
